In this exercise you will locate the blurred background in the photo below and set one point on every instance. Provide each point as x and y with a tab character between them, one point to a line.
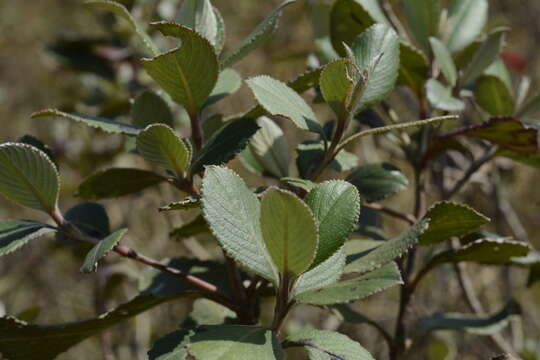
60	53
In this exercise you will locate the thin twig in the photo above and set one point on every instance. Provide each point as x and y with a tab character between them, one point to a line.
391	212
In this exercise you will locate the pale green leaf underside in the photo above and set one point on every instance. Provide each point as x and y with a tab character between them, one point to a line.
377	41
324	274
16	233
336	207
467	19
388	250
444	60
449	219
440	97
28	177
160	145
270	148
106	125
354	289
256	38
233	213
199	16
229	81
100	250
289	231
280	100
328	345
121	11
188	73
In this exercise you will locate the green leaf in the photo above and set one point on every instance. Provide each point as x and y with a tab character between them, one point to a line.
116	182
376	51
289	231
306	185
207	312
106	125
328	345
444	60
337	85
218	342
188	73
195	227
100	250
280	100
440	97
160	145
447	219
233	213
150	108
326	273
483	251
529	160
506	132
413	67
121	11
354	289
467	19
349	18
191	202
336	207
256	38
377	181
493	95
90	218
28	177
485	55
270	148
221	32
14	234
387	251
199	16
311	153
477	325
20	340
229	81
40	145
225	143
423	17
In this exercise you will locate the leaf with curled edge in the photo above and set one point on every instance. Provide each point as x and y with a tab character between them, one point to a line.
188	73
14	234
448	219
387	251
100	250
106	125
21	340
354	289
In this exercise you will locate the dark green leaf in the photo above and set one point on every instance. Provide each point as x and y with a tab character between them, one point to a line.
106	125
225	143
100	250
189	73
493	95
90	218
195	227
311	153
337	85
28	177
190	202
336	207
16	233
413	67
377	181
423	17
477	325
23	341
354	289
117	182
150	108
447	219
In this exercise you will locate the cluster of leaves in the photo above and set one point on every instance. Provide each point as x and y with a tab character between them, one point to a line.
303	240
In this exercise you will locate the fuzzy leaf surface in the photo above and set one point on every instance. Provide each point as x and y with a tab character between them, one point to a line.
440	97
100	250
